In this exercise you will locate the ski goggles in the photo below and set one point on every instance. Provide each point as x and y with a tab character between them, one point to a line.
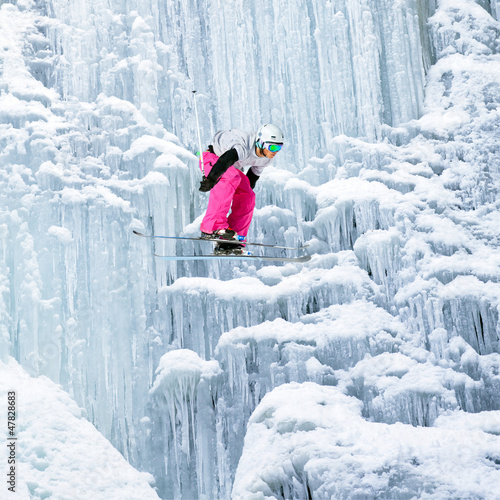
271	146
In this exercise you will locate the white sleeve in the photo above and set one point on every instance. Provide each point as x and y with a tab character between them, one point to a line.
228	139
257	170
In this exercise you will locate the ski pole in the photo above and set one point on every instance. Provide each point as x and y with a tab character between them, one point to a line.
199	136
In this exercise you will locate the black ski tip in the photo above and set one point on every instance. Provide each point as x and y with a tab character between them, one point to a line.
138	233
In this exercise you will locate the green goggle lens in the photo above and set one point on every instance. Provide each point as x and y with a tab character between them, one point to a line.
274	148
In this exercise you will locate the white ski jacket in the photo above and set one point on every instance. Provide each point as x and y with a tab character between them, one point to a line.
244	143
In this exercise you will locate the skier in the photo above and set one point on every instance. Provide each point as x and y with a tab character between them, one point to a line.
225	161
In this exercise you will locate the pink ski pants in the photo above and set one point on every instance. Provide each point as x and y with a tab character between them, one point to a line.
233	192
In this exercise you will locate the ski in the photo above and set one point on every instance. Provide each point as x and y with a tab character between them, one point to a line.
217	240
305	258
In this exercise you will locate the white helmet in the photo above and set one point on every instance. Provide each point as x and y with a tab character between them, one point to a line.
268	133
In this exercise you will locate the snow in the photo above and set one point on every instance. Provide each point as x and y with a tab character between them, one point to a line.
350	322
61	233
325	449
182	363
371	371
59	454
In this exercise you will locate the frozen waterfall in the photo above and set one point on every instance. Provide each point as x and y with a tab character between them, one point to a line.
372	371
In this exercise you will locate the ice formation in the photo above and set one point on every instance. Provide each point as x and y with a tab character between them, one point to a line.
372	371
357	458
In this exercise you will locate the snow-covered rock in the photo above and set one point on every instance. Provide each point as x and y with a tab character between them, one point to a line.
55	451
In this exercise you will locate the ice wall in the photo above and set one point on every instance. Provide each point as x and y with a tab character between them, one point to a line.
317	69
390	173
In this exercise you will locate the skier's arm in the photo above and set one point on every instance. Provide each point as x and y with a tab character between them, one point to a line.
219	169
252	177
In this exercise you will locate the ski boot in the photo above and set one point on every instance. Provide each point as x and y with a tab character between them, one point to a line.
221	234
230	249
227	248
